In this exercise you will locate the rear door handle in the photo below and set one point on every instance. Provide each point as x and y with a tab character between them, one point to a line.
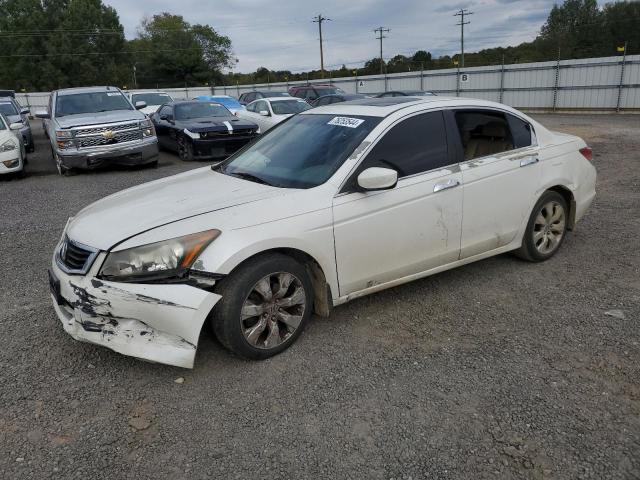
451	183
529	160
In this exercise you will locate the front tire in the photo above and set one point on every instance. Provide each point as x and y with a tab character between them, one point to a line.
264	308
185	150
546	229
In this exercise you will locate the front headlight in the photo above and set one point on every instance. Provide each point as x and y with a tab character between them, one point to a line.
194	135
166	259
147	128
8	146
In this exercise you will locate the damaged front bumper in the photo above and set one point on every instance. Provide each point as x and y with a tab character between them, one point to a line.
159	323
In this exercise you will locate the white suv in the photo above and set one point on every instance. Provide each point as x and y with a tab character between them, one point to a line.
332	204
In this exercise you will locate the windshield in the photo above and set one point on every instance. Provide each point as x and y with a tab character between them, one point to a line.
187	111
8	109
286	107
92	102
151	98
301	152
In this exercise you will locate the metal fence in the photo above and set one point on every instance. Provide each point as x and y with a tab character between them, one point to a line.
592	84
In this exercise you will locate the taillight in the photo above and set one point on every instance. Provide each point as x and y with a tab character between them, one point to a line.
587	153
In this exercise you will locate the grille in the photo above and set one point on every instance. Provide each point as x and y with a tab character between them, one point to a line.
75	257
226	133
122	137
104	128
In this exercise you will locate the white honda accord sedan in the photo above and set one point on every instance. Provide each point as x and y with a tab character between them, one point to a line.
335	203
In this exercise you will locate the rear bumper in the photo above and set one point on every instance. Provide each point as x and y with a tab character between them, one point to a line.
137	153
158	323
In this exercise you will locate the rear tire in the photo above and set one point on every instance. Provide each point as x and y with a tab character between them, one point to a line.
546	229
264	308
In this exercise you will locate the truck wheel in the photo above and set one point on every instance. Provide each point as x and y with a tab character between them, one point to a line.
62	170
265	305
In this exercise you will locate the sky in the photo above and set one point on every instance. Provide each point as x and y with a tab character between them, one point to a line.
280	34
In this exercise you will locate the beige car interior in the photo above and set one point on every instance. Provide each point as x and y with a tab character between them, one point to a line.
486	139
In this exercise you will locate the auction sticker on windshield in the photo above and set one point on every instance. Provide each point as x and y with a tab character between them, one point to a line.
346	122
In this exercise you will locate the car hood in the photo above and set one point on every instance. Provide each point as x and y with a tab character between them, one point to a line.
125	214
83	119
150	109
213	124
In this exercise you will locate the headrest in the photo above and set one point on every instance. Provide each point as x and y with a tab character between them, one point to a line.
494	129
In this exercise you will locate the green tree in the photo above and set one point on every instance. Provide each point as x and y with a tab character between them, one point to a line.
171	52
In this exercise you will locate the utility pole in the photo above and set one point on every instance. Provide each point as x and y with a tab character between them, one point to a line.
381	31
319	19
461	13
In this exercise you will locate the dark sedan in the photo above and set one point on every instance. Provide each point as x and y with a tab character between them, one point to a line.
199	130
336	98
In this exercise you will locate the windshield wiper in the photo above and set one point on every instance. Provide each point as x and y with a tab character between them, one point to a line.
251	177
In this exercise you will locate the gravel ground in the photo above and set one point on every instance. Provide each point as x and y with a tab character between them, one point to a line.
500	369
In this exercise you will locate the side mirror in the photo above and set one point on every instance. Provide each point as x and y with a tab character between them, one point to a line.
15	126
42	114
377	178
164	118
24	111
140	105
264	113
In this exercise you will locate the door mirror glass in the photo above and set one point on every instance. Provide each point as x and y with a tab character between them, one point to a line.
264	113
377	178
42	114
140	104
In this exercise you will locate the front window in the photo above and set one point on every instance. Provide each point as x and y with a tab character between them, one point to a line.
286	107
151	98
302	152
93	102
187	111
8	109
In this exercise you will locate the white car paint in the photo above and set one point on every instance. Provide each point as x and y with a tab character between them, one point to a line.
265	122
362	241
11	159
151	108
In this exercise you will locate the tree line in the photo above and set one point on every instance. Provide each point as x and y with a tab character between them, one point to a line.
49	44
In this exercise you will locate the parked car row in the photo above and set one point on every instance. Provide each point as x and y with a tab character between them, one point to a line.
96	126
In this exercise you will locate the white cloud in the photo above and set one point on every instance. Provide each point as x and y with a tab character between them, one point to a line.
280	35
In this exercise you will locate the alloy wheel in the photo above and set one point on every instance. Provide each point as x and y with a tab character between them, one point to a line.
549	227
273	310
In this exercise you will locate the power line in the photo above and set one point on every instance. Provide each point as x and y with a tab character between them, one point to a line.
381	31
461	13
319	19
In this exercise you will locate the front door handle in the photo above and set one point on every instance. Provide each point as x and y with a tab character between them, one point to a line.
451	183
529	160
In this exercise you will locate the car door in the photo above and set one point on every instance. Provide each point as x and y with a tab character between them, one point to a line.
161	126
258	119
391	234
501	175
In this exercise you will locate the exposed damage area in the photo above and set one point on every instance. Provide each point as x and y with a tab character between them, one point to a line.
111	315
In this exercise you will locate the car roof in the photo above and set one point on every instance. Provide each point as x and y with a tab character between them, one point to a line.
383	107
7	99
75	90
280	99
